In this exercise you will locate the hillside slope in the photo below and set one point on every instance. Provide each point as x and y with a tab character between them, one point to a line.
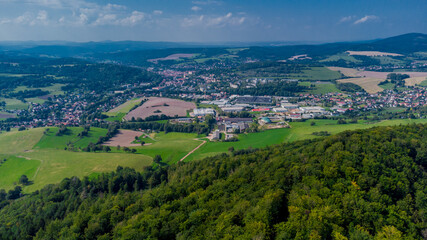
365	184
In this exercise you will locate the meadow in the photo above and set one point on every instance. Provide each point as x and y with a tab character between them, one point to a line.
320	88
50	140
316	74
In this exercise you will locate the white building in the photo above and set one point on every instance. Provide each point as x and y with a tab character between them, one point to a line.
201	112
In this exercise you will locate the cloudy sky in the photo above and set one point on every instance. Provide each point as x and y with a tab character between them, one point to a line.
210	20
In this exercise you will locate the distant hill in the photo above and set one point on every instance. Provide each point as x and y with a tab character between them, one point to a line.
403	44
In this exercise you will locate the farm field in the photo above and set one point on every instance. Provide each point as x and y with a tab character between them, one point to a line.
124	139
321	88
5	115
14	104
55	89
370	85
298	131
373	53
414	81
50	140
316	74
158	106
423	83
343	56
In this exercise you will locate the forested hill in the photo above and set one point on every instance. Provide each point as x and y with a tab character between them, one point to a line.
366	184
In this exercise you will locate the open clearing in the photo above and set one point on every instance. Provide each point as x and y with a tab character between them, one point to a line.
316	74
14	104
369	80
124	139
173	57
58	164
50	140
158	106
372	53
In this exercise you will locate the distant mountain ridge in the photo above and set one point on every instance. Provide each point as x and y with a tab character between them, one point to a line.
403	44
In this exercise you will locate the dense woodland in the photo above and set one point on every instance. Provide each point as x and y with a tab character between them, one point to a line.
365	184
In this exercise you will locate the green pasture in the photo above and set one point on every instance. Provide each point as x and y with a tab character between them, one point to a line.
50	140
316	74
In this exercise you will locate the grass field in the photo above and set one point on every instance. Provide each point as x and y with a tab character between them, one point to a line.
320	88
18	142
55	89
298	131
342	56
316	73
42	159
50	140
387	86
423	83
14	104
388	60
55	165
172	146
14	168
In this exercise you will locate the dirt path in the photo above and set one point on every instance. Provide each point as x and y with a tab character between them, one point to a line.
188	154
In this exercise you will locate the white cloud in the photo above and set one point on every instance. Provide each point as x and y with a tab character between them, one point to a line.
196	8
133	19
112	7
208	2
210	21
345	19
366	19
157	12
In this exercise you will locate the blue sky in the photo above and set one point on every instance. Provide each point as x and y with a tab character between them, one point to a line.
210	20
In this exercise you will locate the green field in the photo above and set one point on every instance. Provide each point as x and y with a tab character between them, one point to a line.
55	89
423	83
14	104
50	140
320	88
172	146
384	60
14	168
316	73
387	86
343	56
298	131
42	159
58	164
